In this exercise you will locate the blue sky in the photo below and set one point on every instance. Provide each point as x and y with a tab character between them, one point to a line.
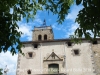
60	31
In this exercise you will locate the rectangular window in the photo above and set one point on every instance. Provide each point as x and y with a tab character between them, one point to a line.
35	45
76	52
69	44
30	54
95	42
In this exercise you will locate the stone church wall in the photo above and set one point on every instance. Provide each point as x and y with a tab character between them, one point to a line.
79	64
96	56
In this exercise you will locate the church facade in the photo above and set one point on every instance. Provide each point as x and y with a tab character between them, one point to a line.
45	55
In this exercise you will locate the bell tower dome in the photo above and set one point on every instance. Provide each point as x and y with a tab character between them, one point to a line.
43	32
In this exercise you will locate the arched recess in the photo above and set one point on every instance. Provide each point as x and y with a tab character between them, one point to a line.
29	72
53	68
45	37
39	37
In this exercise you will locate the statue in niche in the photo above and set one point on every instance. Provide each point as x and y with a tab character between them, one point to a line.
6	70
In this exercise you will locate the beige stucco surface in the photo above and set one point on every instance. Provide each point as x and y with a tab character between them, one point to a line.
96	56
81	64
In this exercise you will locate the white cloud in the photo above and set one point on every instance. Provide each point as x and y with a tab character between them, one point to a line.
74	12
10	61
57	27
72	16
71	30
26	29
38	20
69	25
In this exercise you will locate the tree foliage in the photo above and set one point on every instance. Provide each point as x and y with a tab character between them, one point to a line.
88	19
1	72
9	35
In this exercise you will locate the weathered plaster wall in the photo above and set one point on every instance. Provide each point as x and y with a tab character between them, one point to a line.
96	56
74	64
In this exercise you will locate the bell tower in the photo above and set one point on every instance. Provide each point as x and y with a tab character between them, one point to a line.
43	32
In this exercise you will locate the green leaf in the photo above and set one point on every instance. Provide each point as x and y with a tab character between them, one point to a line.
78	2
1	71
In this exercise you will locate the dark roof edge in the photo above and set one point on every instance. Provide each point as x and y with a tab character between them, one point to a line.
41	26
55	40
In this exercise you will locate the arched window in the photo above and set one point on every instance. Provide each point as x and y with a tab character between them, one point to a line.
53	68
39	37
45	37
28	72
